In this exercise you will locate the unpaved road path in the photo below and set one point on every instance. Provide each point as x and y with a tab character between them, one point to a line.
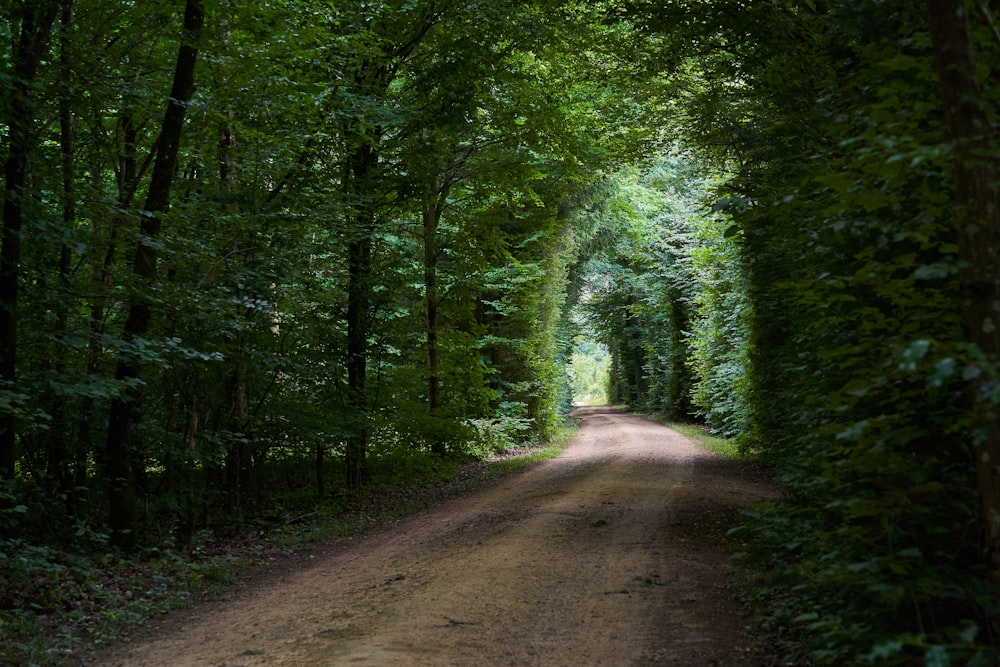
606	555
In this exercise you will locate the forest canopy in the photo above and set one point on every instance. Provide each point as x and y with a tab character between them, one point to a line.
272	253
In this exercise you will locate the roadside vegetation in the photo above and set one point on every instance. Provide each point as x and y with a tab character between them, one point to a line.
712	442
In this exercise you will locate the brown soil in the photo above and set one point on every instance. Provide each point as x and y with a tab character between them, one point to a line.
609	554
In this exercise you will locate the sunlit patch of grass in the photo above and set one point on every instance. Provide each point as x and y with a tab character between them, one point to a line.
550	450
713	443
590	400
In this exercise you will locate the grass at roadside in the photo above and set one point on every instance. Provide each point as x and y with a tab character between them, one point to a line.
112	595
590	400
714	443
501	466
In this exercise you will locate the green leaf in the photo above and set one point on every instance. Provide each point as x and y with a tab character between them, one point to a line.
937	656
934	271
943	371
913	354
885	650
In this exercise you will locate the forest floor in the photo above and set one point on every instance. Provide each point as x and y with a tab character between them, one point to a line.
610	554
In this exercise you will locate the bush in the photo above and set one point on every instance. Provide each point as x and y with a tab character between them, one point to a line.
498	434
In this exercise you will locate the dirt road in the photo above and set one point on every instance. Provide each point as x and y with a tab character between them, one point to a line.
605	555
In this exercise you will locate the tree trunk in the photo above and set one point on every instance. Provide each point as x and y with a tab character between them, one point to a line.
360	167
431	220
975	170
57	471
127	181
238	474
32	42
617	395
121	485
359	253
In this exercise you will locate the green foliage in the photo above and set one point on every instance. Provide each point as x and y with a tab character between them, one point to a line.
499	434
718	333
668	299
589	371
843	229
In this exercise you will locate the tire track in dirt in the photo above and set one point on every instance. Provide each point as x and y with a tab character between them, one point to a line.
601	556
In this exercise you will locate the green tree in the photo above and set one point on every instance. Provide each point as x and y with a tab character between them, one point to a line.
589	371
829	120
122	502
30	31
977	219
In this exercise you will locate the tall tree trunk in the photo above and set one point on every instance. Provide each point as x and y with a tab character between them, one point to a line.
679	391
121	485
636	360
58	440
237	473
127	182
975	169
431	220
359	254
616	394
359	305
29	50
372	76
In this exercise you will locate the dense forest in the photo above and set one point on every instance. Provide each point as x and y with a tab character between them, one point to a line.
261	255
